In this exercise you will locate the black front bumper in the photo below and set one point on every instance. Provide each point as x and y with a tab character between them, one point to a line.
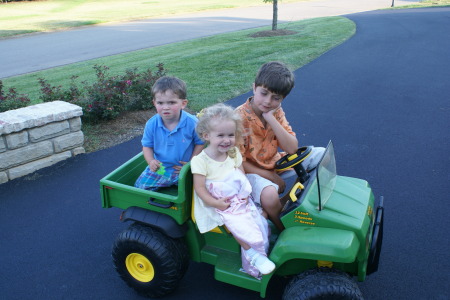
377	239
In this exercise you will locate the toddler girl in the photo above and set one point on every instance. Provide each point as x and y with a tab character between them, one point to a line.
222	190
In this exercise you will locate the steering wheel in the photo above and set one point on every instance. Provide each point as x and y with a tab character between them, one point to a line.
292	160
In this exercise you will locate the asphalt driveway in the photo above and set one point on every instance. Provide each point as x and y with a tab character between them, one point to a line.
382	97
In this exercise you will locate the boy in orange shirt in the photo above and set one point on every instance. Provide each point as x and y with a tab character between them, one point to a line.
266	130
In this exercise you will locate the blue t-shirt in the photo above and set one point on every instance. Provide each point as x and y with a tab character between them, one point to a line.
170	147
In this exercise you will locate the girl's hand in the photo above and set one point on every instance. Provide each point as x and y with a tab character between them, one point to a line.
154	165
223	203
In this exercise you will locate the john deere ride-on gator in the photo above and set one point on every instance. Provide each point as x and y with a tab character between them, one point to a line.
333	233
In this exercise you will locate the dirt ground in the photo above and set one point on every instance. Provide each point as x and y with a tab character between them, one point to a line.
113	132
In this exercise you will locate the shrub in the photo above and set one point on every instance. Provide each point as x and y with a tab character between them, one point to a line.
12	100
139	86
52	93
109	95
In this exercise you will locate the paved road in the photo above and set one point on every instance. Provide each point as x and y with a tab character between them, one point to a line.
382	97
43	51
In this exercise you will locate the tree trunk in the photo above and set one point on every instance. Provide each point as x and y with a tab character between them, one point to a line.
275	15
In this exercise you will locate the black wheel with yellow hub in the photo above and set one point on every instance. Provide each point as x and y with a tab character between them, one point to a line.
322	283
148	261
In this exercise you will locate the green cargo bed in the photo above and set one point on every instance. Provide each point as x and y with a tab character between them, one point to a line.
117	190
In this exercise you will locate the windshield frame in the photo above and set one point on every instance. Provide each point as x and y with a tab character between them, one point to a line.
326	175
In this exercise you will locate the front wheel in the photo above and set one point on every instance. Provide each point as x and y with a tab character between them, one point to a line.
149	261
323	283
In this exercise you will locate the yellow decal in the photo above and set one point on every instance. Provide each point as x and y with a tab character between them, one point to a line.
304	222
301	213
369	211
303	218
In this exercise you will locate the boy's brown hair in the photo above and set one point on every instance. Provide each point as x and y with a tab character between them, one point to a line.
174	84
276	77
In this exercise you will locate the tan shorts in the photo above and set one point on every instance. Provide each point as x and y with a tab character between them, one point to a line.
259	183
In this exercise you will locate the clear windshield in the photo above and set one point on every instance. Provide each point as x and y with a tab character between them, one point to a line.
326	175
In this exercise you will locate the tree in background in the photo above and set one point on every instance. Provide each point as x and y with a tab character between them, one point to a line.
275	13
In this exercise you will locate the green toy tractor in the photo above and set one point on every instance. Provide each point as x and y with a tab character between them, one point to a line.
333	232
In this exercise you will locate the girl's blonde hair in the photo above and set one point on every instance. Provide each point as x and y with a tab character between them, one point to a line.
219	112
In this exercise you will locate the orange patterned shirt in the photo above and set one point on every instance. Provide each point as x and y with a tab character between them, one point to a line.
260	143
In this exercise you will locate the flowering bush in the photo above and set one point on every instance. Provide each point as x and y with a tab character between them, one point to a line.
12	100
108	96
52	93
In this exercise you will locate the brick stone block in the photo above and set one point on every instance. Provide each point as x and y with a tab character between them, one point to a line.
3	177
75	124
2	144
37	164
37	115
17	140
68	141
25	154
49	131
78	150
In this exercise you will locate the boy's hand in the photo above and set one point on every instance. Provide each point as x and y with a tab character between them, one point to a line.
154	165
269	114
178	168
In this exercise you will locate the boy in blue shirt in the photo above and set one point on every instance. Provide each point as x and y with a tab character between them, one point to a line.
169	139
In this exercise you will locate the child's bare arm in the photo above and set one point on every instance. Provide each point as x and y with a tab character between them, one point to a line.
287	141
153	163
197	150
205	195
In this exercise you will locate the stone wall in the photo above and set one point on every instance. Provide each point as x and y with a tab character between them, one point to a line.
38	136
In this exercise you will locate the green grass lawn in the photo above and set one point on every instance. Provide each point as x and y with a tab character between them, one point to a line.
215	68
39	16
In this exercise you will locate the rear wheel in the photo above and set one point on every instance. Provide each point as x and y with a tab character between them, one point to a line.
149	261
323	283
